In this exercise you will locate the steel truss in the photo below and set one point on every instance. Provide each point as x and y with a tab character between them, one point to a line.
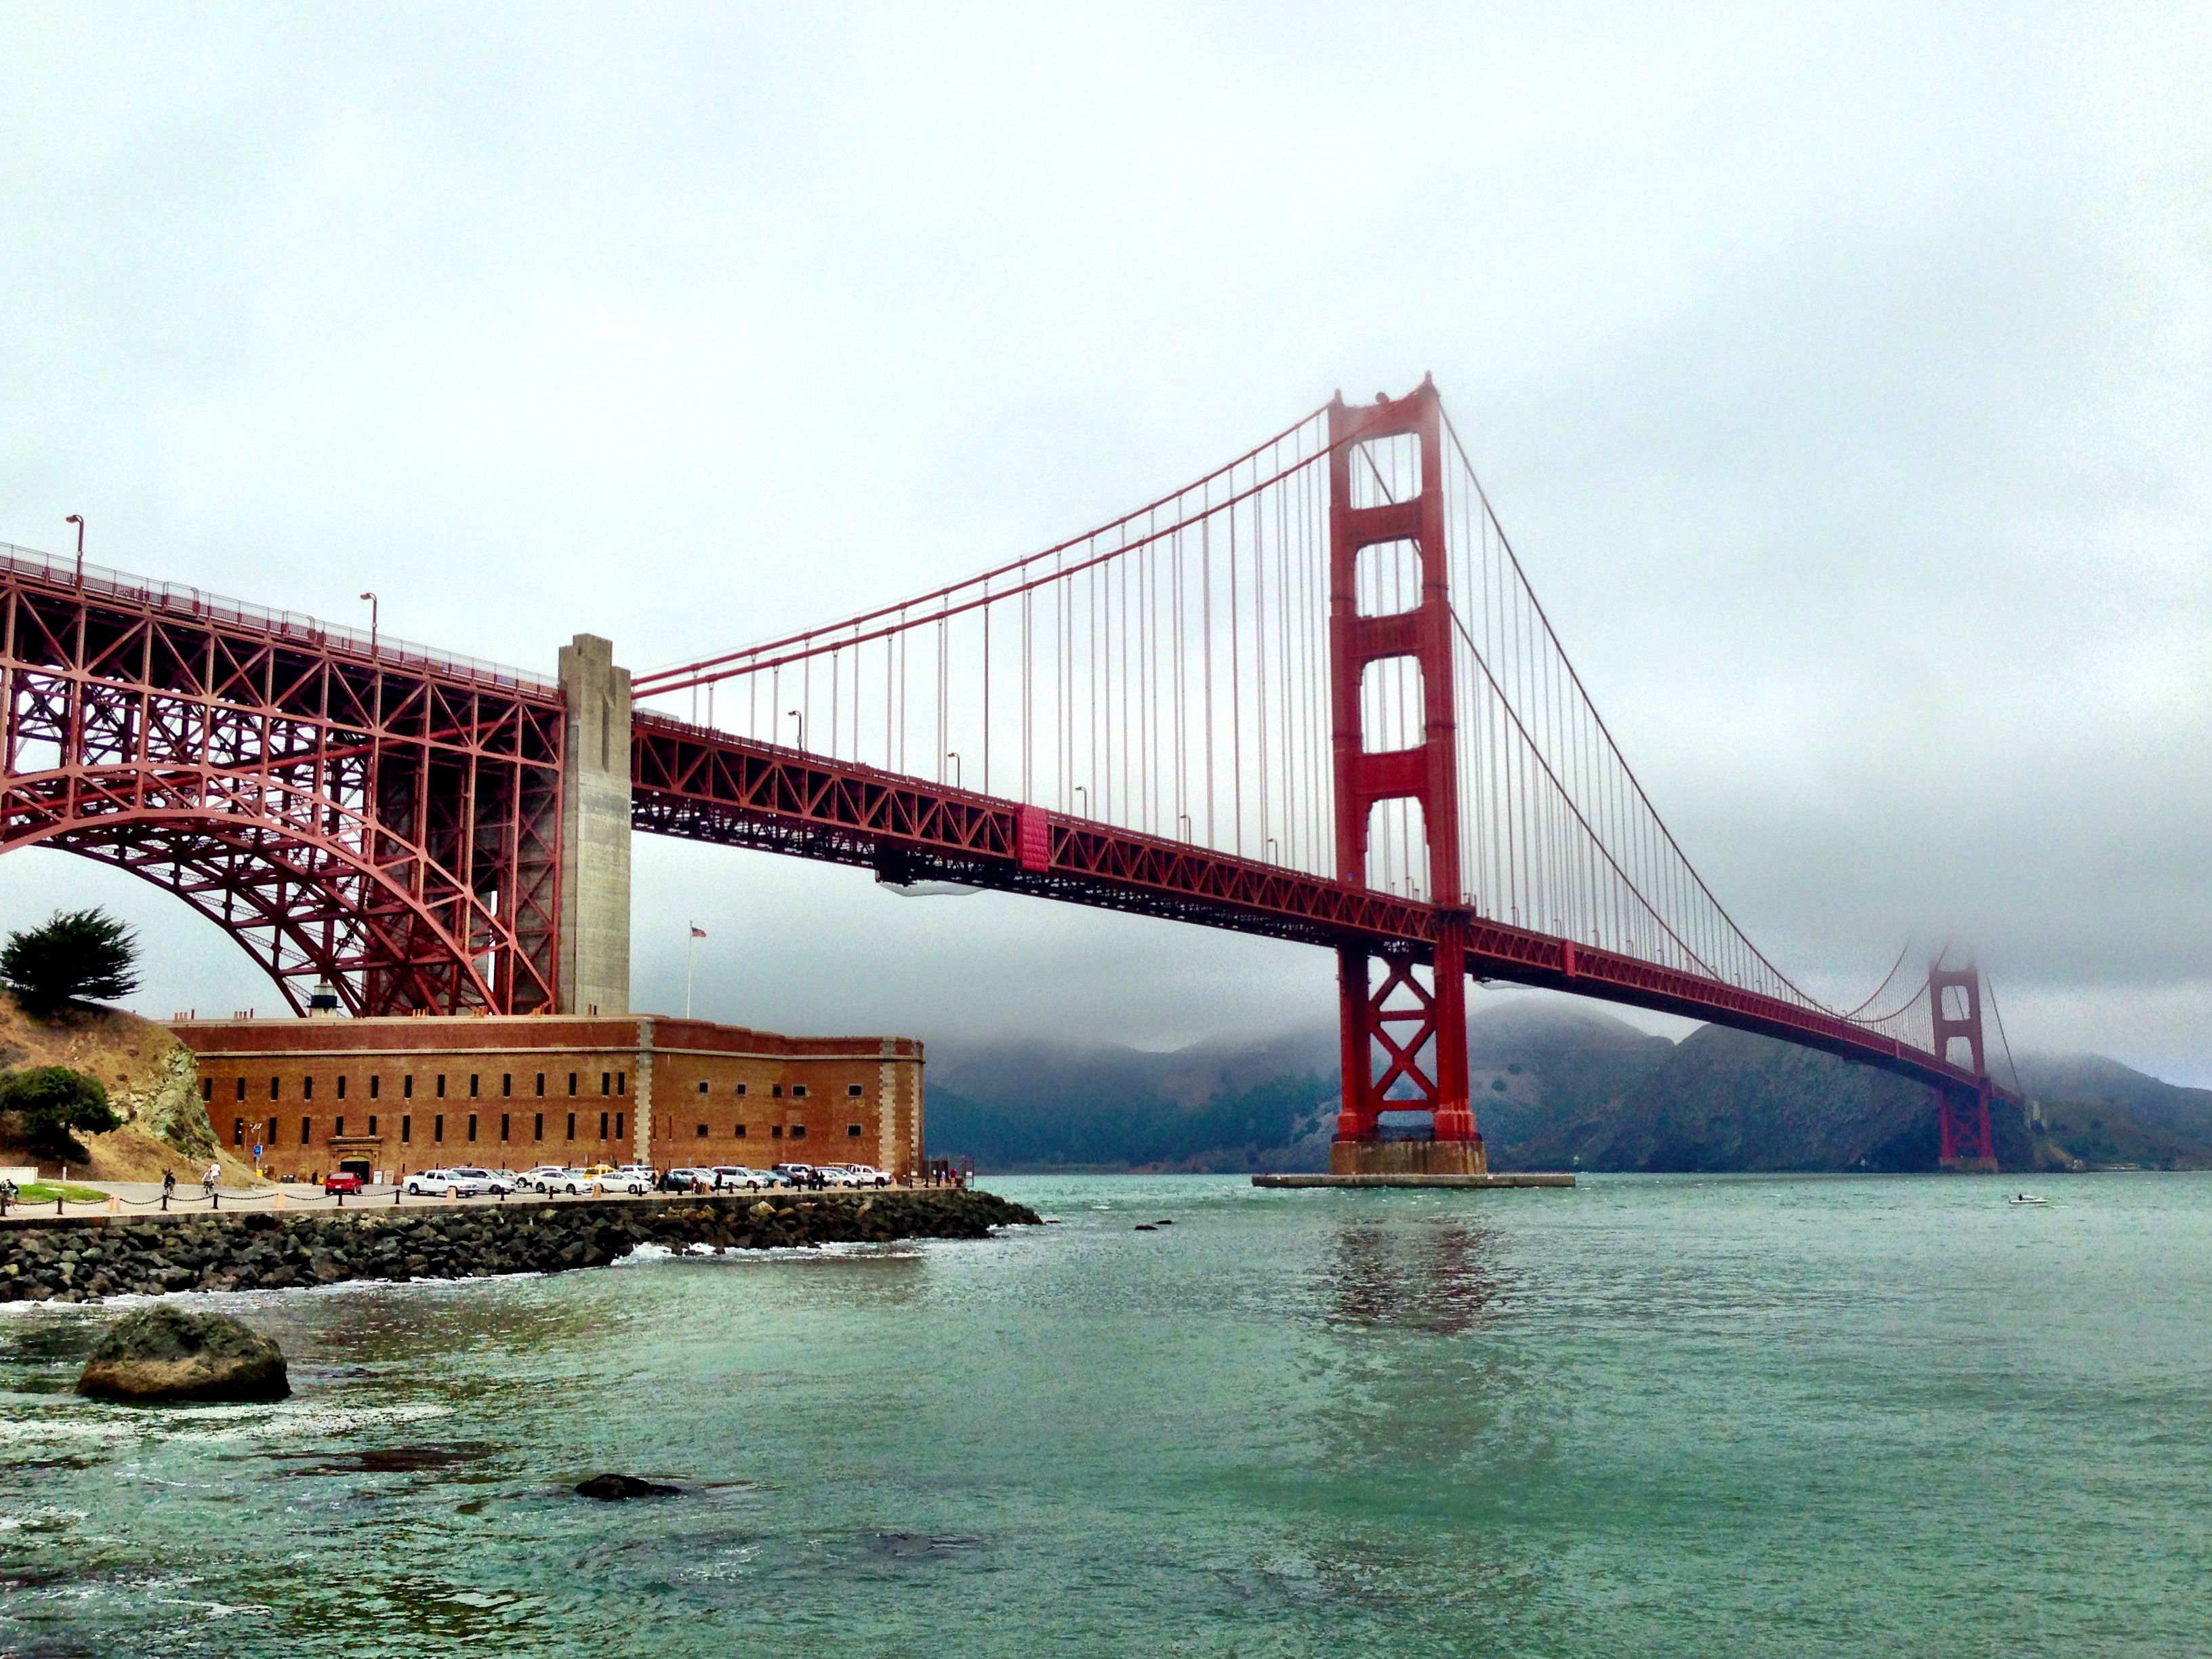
391	827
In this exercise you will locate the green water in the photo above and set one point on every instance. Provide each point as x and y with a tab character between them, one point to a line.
1650	1416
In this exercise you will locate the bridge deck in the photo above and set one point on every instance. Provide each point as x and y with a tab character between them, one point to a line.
708	785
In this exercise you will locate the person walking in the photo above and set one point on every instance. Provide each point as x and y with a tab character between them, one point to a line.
207	1181
168	1182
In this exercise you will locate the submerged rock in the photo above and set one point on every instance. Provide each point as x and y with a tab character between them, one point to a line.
612	1488
164	1353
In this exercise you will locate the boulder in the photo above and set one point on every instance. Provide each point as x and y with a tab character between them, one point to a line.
611	1488
164	1353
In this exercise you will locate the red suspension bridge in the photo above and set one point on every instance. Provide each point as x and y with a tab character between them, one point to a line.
1311	695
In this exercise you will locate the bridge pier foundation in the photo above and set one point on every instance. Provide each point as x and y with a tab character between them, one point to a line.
595	830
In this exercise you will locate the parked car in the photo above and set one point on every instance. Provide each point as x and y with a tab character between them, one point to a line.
866	1175
544	1178
343	1181
736	1178
498	1185
687	1180
624	1181
441	1183
800	1175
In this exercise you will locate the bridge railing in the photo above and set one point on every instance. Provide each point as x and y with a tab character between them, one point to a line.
180	599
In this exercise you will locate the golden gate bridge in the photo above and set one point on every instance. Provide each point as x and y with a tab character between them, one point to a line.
1311	695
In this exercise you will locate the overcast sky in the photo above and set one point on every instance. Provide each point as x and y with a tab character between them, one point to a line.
1844	377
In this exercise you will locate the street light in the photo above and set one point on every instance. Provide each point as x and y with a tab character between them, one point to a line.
801	719
1086	808
375	607
77	519
953	755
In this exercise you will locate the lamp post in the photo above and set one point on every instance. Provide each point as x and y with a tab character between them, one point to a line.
953	755
77	519
801	719
373	608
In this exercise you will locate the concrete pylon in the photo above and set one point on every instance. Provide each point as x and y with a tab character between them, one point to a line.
595	778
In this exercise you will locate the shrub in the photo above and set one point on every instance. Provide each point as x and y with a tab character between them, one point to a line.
78	955
51	1101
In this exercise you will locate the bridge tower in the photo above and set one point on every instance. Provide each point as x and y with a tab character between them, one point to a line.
1954	1001
1399	1030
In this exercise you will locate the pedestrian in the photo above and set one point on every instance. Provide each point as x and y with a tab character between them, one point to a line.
168	1182
207	1181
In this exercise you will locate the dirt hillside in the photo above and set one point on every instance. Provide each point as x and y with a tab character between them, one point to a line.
151	1082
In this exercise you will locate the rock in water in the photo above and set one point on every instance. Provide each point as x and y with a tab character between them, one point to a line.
166	1353
610	1488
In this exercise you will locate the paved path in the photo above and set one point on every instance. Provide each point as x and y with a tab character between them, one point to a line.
144	1198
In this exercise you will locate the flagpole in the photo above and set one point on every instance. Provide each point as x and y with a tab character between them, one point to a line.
690	945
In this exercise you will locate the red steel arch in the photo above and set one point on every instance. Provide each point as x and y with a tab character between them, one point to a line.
372	817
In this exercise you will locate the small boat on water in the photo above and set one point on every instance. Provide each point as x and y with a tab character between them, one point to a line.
2026	1198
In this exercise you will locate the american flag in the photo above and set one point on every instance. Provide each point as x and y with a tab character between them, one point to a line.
698	933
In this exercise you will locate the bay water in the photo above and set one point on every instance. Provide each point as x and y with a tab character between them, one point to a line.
1651	1415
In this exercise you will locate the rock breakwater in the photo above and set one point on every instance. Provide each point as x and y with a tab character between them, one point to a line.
85	1259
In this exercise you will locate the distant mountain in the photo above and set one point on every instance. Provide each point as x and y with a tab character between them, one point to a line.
1557	1085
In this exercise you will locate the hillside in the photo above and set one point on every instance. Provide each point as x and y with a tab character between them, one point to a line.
151	1083
1557	1085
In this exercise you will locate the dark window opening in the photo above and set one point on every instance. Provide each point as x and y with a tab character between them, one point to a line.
473	1080
272	1088
407	1087
853	1091
272	1139
472	1128
375	1086
238	1132
572	1125
799	1091
620	1078
741	1092
241	1088
341	1088
776	1092
776	1134
372	1126
572	1083
206	1089
505	1084
406	1130
304	1141
306	1088
541	1125
739	1131
441	1085
606	1083
337	1129
702	1132
502	1128
702	1088
541	1086
602	1126
438	1128
853	1130
799	1131
618	1126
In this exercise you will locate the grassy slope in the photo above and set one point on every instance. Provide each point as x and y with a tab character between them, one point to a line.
137	1061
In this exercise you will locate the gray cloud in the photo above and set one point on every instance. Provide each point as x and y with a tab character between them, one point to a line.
1845	382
